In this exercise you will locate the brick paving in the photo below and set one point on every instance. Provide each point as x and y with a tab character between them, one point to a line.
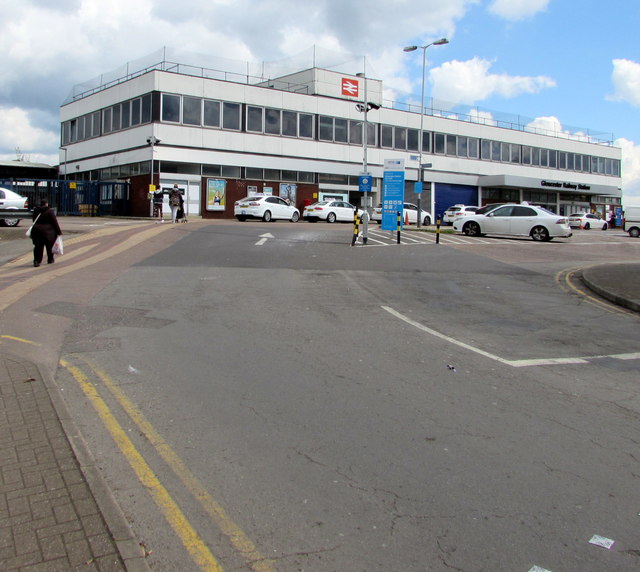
49	516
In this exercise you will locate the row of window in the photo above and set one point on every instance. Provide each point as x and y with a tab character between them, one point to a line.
196	111
225	171
123	115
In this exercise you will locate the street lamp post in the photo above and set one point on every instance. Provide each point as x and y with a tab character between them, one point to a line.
64	177
153	141
439	42
365	107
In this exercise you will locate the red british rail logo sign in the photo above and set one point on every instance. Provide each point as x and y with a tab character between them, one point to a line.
349	87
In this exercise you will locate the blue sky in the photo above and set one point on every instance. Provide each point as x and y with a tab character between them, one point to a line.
575	64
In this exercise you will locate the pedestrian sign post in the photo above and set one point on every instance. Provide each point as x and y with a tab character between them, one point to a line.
392	193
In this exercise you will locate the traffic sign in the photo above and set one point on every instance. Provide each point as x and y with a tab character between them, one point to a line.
364	183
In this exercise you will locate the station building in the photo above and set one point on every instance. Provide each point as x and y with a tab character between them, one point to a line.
222	136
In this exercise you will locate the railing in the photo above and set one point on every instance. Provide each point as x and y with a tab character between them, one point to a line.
447	110
74	198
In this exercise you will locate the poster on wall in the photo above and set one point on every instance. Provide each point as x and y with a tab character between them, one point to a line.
288	193
216	194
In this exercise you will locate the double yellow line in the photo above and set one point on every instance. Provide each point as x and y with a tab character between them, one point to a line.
189	537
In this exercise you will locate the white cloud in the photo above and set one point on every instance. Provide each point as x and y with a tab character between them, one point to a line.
626	81
471	81
517	9
18	132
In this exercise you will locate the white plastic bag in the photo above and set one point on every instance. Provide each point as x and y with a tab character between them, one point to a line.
58	247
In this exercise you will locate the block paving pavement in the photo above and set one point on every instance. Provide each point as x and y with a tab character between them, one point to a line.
50	517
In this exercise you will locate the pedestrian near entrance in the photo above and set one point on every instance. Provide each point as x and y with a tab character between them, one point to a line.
174	202
44	232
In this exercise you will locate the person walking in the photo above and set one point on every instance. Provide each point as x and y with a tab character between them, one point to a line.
44	233
174	202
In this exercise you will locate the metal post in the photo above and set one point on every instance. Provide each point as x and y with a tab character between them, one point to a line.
365	134
439	42
356	226
64	176
420	143
153	141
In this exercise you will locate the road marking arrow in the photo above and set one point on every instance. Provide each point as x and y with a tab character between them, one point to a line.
263	238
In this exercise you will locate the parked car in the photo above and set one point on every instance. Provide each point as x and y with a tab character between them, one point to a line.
457	210
265	207
587	221
13	201
488	208
632	221
515	220
409	209
331	211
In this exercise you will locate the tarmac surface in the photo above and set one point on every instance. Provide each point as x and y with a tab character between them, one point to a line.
56	513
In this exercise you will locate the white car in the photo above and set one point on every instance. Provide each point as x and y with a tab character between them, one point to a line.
587	221
13	201
409	210
516	220
331	211
265	207
457	210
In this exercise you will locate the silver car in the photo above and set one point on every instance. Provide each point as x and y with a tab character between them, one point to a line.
13	201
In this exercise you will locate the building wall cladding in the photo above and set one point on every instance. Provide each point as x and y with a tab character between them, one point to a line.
197	145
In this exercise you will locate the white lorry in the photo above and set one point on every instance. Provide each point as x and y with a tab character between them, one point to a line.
632	221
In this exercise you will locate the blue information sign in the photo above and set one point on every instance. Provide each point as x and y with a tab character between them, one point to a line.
392	197
417	187
364	183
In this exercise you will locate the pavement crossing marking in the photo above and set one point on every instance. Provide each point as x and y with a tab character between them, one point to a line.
389	238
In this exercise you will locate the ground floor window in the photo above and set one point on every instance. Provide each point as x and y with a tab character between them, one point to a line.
490	195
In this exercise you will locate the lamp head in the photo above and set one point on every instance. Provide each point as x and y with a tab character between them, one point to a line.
440	42
410	49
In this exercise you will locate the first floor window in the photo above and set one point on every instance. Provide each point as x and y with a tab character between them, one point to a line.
171	108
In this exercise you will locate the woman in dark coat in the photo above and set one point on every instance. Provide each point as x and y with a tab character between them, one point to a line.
44	232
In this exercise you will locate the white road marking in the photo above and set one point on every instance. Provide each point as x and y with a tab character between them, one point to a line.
512	363
264	238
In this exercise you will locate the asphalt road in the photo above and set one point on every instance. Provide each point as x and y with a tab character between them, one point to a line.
299	404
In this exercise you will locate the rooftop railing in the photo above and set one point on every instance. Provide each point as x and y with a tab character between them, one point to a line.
249	73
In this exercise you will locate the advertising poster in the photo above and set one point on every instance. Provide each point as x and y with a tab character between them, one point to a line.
216	194
288	193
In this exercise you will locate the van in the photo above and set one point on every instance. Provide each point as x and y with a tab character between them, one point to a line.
632	221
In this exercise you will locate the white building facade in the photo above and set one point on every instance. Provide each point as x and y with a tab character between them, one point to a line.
221	138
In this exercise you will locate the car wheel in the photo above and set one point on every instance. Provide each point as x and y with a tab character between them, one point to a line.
426	221
604	226
11	222
471	229
587	226
266	217
540	234
634	232
331	217
241	218
295	217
